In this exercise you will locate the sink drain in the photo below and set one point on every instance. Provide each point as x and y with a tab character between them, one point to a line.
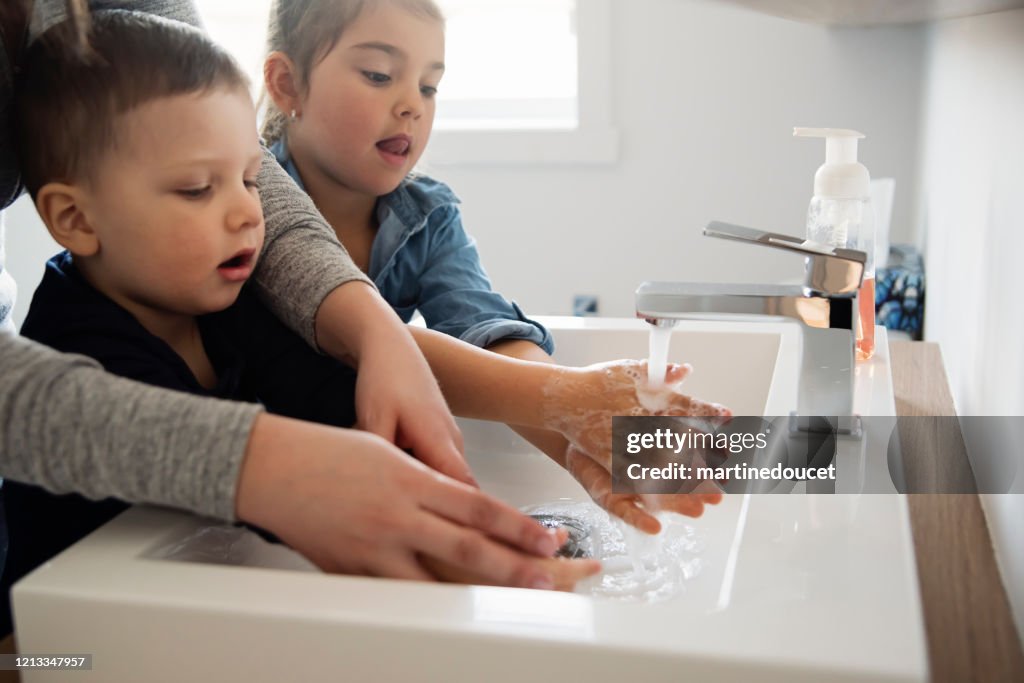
576	546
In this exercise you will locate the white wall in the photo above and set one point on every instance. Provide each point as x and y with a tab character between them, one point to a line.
705	97
973	222
28	248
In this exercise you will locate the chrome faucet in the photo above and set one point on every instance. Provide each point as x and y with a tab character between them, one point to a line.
825	305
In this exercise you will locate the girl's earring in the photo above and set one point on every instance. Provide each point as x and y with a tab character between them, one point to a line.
293	116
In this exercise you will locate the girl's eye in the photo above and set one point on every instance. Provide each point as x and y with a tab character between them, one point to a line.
252	185
376	77
428	91
194	192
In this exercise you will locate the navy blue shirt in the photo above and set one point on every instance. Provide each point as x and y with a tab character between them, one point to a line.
256	358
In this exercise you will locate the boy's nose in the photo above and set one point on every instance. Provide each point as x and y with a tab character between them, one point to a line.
245	211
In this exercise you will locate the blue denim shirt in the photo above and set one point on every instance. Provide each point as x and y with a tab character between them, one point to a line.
422	259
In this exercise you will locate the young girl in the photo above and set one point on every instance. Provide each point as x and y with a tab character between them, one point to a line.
351	87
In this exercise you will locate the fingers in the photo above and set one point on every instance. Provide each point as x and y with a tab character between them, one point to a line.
588	472
401	565
682	503
383	425
446	459
628	509
676	373
681	404
469	553
432	448
441	454
597	482
689	504
473	509
567	573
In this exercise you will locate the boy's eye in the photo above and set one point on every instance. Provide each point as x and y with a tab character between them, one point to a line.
428	91
376	77
252	184
194	192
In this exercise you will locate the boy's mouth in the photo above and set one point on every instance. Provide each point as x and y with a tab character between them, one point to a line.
239	266
396	147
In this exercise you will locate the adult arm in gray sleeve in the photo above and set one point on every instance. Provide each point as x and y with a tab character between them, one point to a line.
67	425
302	259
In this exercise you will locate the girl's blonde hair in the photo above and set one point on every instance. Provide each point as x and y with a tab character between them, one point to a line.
306	30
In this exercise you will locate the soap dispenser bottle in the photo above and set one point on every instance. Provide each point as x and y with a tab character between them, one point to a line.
841	215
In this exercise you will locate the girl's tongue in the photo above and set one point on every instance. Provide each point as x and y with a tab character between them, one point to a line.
396	145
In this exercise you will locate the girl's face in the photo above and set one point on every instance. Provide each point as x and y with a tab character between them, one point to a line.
369	106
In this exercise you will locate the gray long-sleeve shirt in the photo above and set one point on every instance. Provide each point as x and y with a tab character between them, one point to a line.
67	425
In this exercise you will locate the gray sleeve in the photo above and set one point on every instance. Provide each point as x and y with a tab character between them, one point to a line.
302	259
180	10
67	425
48	13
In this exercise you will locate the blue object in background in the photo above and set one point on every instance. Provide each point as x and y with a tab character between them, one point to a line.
899	291
584	304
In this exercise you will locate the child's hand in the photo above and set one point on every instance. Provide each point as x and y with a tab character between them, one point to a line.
633	508
397	396
580	402
580	405
566	573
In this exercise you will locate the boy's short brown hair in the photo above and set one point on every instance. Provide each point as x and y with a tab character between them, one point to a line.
68	99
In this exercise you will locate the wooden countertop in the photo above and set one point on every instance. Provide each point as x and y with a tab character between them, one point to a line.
970	630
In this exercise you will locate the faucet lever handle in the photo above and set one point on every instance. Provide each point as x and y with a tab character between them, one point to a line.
778	240
827	270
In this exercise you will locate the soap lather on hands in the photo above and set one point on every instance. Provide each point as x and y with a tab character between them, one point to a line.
580	404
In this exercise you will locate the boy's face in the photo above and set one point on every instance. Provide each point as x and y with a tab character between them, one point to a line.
175	206
369	106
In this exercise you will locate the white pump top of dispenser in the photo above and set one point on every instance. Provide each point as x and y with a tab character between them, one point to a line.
840	177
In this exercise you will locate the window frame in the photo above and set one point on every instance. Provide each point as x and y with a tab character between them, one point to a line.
594	141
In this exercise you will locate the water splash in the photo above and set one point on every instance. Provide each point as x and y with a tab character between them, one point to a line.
636	567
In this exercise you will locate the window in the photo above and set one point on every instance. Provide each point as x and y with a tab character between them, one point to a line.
526	80
511	65
241	27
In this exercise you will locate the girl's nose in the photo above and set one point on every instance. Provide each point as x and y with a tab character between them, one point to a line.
409	105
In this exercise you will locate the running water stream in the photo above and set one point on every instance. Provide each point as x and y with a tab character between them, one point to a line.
657	351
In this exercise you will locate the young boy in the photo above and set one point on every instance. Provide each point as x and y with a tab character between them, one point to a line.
142	159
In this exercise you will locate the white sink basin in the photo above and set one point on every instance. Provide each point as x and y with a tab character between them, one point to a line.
790	588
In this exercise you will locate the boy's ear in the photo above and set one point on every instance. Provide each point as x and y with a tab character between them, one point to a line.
280	76
60	207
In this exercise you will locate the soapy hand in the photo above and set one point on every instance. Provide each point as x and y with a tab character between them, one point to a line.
580	403
633	508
